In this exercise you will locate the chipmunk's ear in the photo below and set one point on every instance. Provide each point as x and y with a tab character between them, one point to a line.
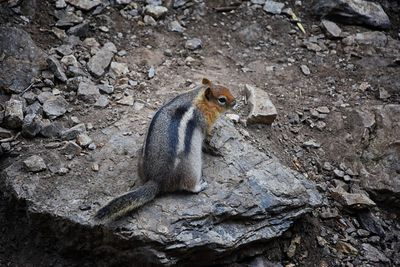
206	81
208	93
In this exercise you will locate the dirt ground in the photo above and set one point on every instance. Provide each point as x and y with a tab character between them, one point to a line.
269	58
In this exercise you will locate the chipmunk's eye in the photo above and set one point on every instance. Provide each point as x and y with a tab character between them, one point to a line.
222	100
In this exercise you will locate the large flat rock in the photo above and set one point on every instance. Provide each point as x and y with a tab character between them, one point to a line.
251	199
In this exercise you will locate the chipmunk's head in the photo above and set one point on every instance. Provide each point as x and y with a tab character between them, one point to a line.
218	95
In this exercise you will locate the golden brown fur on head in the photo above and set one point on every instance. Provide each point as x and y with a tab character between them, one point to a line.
214	100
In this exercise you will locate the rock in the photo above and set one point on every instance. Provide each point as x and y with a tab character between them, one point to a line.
30	97
383	94
338	173
85	5
294	118
81	30
313	46
321	241
262	110
13	115
352	200
179	3
71	149
371	223
104	29
381	159
73	132
95	167
44	96
35	164
92	146
101	60
252	199
154	2
329	213
88	92
327	166
362	233
375	38
51	129
5	134
123	2
353	12
55	106
346	248
193	44
258	2
106	88
102	102
373	254
122	53
323	110
63	50
61	4
139	105
83	140
311	144
347	178
320	125
127	100
149	20
251	34
156	12
366	117
35	108
306	71
70	60
291	250
273	7
75	72
21	60
151	73
119	69
175	26
56	68
332	29
31	125
68	19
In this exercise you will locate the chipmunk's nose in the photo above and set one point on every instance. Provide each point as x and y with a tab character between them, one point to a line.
233	103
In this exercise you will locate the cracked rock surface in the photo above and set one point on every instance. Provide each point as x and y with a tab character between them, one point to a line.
251	197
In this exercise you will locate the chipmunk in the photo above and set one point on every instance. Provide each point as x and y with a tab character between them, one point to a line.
171	157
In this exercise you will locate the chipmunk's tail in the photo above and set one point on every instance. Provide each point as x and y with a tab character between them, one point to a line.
128	202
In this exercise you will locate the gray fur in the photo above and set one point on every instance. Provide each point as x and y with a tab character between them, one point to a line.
158	163
163	166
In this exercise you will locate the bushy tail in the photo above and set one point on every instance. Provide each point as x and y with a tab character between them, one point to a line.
128	202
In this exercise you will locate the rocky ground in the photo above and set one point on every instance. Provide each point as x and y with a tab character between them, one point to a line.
318	184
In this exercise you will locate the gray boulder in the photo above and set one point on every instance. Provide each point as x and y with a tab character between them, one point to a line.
381	169
21	59
101	60
55	106
88	92
56	68
13	115
32	125
353	12
374	38
84	4
251	200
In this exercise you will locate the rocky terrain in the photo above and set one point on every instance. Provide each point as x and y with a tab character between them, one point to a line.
305	171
